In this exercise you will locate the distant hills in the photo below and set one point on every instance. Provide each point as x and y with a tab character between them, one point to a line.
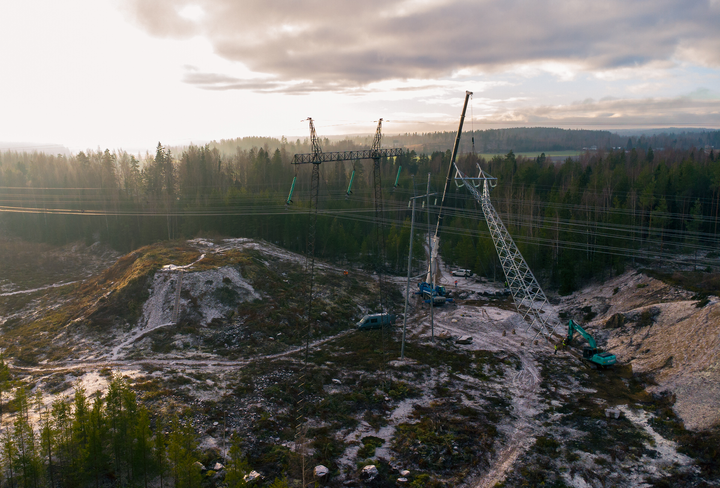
521	139
518	139
30	147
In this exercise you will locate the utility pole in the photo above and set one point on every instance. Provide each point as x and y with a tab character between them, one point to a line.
407	290
430	263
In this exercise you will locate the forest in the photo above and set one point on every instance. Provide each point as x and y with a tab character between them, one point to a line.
88	440
573	219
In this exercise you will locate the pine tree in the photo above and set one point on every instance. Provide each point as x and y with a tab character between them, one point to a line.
159	452
27	462
9	459
5	381
143	448
237	467
96	431
47	436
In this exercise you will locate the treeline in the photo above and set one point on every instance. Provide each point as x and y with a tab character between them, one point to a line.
519	139
572	219
118	199
593	214
105	439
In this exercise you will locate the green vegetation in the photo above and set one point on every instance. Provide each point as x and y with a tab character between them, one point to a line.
93	441
446	438
567	215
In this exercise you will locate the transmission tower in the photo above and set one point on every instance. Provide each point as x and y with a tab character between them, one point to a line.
317	157
528	295
376	154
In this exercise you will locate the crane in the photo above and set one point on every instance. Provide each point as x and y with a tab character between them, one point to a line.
528	296
429	287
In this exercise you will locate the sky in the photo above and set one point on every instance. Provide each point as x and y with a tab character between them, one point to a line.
115	74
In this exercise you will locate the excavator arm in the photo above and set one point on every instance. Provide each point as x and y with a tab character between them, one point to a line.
573	327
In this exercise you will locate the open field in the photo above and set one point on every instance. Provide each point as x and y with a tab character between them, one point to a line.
533	154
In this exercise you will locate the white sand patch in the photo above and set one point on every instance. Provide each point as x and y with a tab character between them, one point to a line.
666	449
174	267
201	286
23	292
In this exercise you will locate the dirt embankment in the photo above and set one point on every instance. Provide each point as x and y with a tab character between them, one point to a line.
662	330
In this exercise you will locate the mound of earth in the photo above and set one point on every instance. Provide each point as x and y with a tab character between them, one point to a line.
661	330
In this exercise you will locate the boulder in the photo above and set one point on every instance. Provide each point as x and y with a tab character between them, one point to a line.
320	471
369	472
612	413
617	320
252	476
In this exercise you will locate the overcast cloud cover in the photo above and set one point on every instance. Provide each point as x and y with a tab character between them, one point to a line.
342	45
132	72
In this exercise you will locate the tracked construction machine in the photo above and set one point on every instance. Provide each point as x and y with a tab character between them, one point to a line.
591	353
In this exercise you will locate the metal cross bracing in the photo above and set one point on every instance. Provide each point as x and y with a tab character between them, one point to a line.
328	157
375	153
528	295
316	157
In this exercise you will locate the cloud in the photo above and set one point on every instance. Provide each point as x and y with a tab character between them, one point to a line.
343	45
686	110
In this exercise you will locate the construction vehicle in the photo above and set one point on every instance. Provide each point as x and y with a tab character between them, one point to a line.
591	352
438	294
376	321
466	273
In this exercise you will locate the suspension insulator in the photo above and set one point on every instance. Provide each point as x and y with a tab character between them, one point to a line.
292	188
352	177
397	178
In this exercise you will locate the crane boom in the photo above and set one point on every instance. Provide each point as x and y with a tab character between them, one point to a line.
436	238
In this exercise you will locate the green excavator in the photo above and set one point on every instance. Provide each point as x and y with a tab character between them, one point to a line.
591	353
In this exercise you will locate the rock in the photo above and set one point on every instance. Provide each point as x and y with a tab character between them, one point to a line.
200	466
252	476
369	472
405	473
218	467
337	381
402	480
617	320
320	471
612	413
